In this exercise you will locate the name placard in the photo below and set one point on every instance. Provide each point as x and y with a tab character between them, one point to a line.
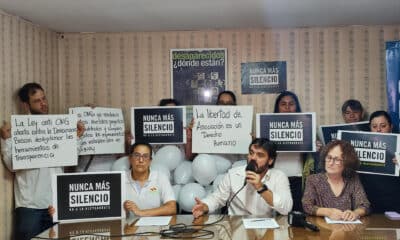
104	130
159	125
328	133
375	151
88	196
292	132
43	141
221	129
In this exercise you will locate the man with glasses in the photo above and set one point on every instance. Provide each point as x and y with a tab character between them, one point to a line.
148	192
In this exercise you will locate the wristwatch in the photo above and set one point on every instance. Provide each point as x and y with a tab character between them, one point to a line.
262	189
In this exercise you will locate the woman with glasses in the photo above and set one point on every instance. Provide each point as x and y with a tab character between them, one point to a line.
148	193
336	192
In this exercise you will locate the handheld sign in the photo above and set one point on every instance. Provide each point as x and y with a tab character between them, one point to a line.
375	151
104	130
328	133
221	129
43	141
159	125
292	132
88	196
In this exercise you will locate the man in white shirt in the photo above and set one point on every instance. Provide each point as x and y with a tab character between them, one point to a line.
258	192
32	188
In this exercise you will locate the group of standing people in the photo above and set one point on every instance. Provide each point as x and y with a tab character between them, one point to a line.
276	184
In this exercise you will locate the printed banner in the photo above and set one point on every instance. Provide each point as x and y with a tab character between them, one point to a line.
198	75
393	81
328	133
159	125
88	196
221	129
43	141
85	231
104	130
375	151
292	132
263	77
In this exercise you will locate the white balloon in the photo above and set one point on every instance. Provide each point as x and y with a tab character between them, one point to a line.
187	195
177	189
222	163
121	164
217	180
170	156
204	169
161	168
239	163
209	189
183	173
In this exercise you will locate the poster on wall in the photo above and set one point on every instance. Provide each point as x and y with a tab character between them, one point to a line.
292	132
88	196
263	77
43	141
328	133
198	75
159	125
104	130
393	81
375	151
221	129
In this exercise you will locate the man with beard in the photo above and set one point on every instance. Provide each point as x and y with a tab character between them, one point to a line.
32	188
257	192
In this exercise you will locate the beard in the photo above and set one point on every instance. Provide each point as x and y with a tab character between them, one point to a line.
37	112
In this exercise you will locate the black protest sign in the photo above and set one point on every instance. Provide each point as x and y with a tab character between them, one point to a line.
79	196
292	132
328	133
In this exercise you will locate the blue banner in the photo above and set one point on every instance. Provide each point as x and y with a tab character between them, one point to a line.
393	81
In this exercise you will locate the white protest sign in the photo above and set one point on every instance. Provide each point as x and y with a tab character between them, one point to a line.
221	129
104	130
43	141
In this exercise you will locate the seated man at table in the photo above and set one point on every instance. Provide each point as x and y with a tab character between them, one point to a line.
148	192
256	192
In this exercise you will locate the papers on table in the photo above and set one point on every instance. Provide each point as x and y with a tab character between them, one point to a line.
253	223
153	221
330	221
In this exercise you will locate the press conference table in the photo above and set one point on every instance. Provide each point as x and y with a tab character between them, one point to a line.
231	227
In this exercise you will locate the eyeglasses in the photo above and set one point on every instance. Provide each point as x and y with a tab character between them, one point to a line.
136	156
335	160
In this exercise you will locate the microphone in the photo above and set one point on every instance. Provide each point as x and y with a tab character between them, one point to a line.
298	219
251	166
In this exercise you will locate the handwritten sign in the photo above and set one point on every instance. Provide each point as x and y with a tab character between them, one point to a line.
78	196
104	130
221	129
159	125
43	141
328	133
292	132
375	151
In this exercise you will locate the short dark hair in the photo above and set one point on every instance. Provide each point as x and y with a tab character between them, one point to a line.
350	159
230	93
380	113
166	101
28	90
354	105
141	144
284	94
269	146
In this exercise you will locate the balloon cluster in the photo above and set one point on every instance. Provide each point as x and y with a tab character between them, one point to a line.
189	179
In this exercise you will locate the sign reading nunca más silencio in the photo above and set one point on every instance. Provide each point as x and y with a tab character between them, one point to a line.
375	151
88	196
328	133
159	125
263	77
292	132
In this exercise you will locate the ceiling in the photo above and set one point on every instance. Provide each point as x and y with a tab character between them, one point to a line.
168	15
